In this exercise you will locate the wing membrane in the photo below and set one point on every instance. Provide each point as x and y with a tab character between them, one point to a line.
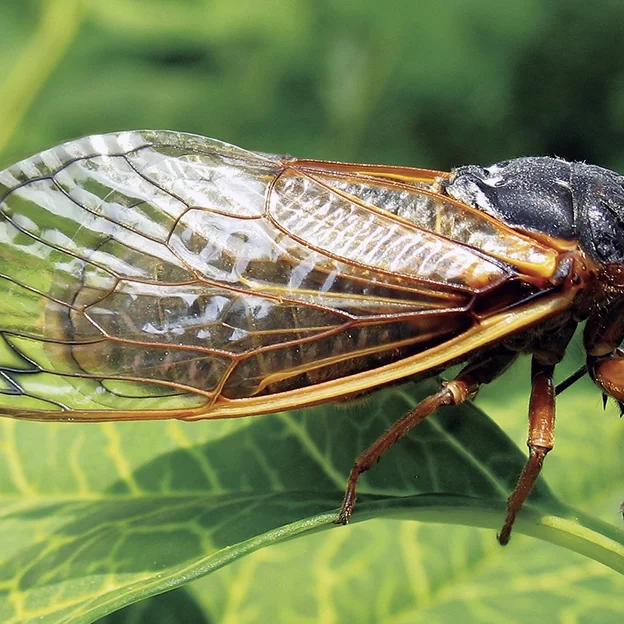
334	224
146	274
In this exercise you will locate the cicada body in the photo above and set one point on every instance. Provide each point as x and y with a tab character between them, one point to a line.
149	275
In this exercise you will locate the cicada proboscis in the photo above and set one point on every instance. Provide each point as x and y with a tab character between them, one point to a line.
149	275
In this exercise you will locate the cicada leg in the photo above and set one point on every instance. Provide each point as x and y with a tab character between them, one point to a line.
454	392
541	440
605	362
608	374
602	337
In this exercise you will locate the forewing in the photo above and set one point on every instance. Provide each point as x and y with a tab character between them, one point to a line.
147	274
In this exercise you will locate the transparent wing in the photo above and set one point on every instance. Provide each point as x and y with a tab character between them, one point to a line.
145	274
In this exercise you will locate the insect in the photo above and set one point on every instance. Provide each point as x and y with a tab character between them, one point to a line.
149	275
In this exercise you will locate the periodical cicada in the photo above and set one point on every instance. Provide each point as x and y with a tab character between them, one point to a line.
150	275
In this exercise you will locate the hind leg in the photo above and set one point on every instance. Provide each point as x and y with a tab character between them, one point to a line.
454	392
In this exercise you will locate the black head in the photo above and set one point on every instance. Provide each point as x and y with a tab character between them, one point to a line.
573	201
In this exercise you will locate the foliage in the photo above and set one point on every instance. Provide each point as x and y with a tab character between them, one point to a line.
95	517
134	509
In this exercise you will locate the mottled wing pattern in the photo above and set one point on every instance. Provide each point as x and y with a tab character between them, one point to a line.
146	273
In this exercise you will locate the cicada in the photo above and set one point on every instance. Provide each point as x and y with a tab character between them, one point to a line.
150	275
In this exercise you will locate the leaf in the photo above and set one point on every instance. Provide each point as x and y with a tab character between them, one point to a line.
95	517
279	93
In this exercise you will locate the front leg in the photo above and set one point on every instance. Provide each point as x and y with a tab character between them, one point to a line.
603	335
605	360
607	373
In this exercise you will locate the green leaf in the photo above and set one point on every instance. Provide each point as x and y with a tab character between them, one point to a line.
351	81
95	517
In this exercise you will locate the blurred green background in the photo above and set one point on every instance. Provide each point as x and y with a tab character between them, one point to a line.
434	85
430	84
